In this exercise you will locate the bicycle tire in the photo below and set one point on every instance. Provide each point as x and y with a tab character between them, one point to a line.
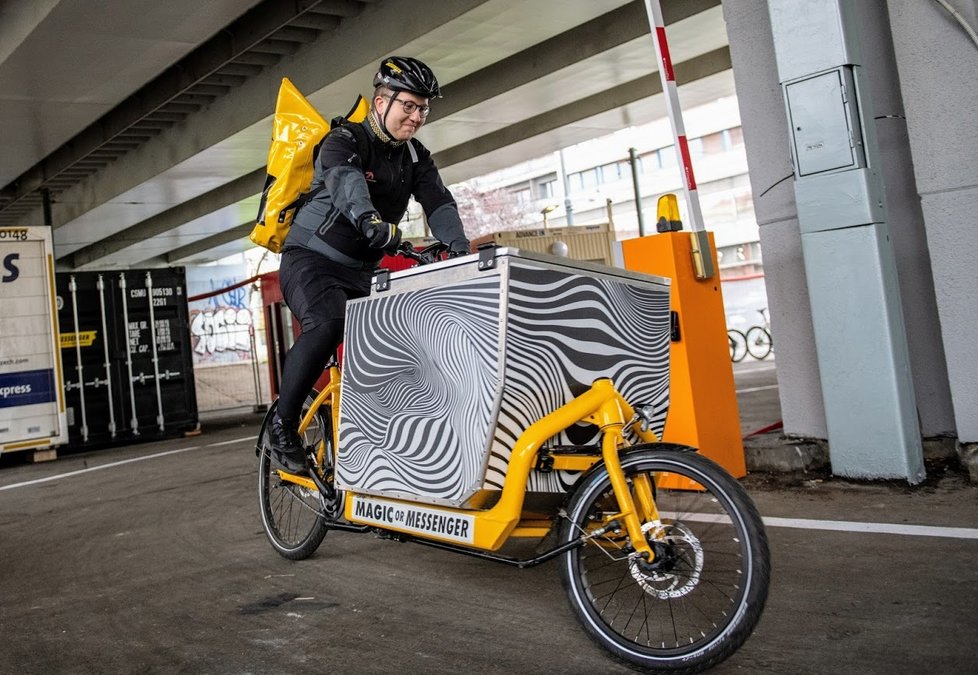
759	342
738	345
707	596
293	516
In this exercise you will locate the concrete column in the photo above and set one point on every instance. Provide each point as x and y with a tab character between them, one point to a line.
919	267
766	137
937	62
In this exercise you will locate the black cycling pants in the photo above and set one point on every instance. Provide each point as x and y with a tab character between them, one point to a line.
316	290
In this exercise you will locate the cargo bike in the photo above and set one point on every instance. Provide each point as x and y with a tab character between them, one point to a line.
508	395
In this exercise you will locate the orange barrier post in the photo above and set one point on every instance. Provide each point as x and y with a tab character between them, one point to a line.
703	401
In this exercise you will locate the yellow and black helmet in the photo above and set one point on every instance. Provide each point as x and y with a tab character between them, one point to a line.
403	73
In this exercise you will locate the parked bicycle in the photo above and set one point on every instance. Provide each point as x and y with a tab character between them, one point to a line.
662	554
759	342
738	345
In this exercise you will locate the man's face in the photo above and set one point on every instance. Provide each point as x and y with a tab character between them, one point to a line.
401	125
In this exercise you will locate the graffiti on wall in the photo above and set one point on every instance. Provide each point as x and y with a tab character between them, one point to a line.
221	330
221	325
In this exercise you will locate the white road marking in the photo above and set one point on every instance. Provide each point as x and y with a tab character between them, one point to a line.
874	528
231	442
794	523
111	465
750	389
838	525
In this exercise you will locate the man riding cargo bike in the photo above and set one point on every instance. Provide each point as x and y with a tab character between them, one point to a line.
497	396
364	176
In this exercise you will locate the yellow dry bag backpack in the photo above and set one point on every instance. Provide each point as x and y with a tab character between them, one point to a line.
297	132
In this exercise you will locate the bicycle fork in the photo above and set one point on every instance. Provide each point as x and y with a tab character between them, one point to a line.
633	509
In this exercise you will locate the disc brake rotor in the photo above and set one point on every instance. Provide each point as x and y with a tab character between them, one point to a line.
682	575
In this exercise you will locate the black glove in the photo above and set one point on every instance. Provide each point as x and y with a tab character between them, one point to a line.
381	235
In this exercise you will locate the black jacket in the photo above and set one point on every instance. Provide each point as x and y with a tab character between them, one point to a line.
353	178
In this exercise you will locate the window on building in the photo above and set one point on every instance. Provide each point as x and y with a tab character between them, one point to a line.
713	144
744	201
734	138
667	157
547	189
609	173
589	178
522	195
575	182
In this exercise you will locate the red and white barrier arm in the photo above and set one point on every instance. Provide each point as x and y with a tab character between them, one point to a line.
675	112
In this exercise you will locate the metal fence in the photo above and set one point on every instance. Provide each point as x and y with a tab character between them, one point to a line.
228	338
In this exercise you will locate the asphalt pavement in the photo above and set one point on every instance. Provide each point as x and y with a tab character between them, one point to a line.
151	558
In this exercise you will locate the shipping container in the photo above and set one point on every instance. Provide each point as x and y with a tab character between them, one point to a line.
32	404
128	361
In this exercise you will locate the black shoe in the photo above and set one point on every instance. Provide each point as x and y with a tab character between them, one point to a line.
286	446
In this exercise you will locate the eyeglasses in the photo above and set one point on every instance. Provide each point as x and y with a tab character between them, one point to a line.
411	106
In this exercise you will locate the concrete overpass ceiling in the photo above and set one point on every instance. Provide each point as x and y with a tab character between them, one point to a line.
49	94
520	80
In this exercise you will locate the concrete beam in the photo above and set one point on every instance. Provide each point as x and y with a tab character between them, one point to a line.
312	67
649	85
229	193
606	32
243	34
20	18
207	243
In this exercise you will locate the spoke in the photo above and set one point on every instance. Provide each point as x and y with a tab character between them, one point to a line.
638	601
672	618
645	623
612	593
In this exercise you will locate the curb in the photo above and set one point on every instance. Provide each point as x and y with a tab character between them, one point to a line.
775	453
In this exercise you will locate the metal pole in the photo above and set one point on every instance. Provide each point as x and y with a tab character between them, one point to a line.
156	358
633	161
568	207
701	244
134	424
105	349
73	288
254	369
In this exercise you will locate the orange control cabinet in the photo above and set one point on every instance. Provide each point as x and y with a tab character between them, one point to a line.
703	400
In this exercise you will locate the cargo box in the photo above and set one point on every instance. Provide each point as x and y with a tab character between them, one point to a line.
447	364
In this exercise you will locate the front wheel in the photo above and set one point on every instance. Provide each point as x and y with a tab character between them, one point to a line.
294	516
701	596
738	345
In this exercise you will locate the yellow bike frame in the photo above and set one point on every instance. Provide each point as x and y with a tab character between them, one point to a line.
601	405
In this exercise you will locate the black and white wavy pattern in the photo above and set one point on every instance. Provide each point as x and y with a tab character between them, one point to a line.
421	375
563	332
420	378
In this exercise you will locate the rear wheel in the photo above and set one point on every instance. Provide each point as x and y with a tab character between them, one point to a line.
703	593
759	342
294	516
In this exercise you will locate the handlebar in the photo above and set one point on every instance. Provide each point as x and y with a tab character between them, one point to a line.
423	256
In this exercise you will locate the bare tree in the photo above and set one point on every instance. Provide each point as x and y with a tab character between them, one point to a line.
486	211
